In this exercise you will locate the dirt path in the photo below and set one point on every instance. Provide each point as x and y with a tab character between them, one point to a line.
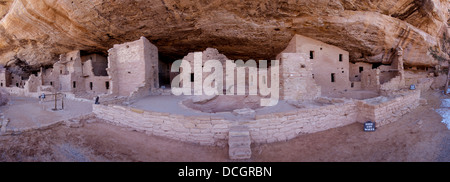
419	136
100	142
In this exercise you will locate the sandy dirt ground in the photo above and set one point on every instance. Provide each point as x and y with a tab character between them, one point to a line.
418	136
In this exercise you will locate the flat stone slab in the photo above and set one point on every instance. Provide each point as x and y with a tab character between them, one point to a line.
239	131
239	153
239	143
245	111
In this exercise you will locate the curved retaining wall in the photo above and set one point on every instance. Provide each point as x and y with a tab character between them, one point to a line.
287	125
265	128
199	129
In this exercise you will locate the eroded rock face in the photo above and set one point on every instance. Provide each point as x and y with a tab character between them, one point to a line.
38	31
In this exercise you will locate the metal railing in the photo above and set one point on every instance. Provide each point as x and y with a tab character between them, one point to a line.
53	97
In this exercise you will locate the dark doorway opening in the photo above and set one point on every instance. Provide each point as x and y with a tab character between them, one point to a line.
164	73
376	65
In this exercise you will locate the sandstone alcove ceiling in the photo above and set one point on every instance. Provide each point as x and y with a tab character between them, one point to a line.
38	31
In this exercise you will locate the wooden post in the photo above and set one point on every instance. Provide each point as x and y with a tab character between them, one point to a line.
446	83
55	102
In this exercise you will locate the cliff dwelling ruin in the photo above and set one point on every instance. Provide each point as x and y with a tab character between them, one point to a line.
224	80
319	88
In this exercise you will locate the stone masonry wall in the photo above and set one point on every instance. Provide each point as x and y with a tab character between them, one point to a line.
370	79
285	126
133	68
330	64
296	80
200	129
267	128
383	110
392	85
5	77
356	69
391	111
33	83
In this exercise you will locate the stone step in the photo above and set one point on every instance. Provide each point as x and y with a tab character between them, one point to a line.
239	131
239	143
240	153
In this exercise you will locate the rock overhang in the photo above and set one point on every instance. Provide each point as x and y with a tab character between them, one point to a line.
38	31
